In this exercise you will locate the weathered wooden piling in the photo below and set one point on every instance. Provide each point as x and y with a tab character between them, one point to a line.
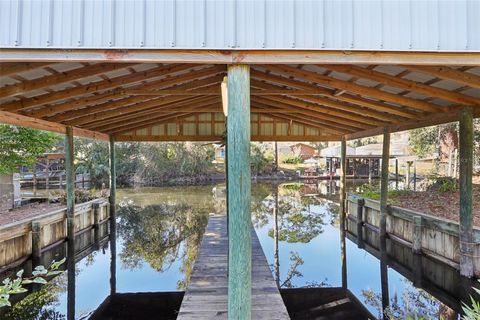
238	194
113	218
343	182
70	192
360	205
36	242
466	195
384	182
417	235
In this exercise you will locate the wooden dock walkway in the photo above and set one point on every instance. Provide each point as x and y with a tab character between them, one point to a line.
206	295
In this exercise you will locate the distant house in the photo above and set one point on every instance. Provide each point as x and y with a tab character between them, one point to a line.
303	150
219	153
334	151
396	149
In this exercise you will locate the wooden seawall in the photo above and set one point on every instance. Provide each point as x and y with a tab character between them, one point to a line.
22	239
206	295
434	237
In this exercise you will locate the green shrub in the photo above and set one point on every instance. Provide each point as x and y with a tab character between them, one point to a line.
293	160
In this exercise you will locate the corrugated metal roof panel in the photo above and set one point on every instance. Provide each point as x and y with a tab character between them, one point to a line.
394	25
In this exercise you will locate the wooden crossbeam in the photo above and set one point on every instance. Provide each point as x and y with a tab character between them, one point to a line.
356	88
241	56
102	101
12	68
405	84
367	103
94	87
59	78
24	121
443	72
216	92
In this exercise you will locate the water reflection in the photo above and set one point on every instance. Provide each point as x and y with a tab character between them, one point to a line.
153	242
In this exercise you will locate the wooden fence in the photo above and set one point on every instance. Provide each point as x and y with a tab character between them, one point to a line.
432	236
26	238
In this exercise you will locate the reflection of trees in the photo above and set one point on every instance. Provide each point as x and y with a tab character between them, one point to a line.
39	305
412	304
160	235
295	219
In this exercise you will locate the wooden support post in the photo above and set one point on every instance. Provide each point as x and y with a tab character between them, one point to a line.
466	196
396	173
343	174
384	183
276	257
343	248
276	156
417	235
113	218
96	222
360	206
370	171
414	175
113	175
238	194
70	191
36	242
407	175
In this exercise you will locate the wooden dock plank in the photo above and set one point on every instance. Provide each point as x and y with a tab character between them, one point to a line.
207	294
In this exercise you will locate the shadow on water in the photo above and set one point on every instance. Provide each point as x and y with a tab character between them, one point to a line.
141	269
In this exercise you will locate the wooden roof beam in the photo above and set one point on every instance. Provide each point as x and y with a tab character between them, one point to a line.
12	68
328	111
143	124
306	115
442	72
77	107
336	104
59	78
312	112
367	103
356	88
98	86
29	122
405	84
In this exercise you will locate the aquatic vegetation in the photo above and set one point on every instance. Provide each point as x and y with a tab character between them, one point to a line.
17	286
472	311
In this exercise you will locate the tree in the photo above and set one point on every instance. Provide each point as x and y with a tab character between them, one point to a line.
21	146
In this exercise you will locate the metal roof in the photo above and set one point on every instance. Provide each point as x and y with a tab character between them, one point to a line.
379	25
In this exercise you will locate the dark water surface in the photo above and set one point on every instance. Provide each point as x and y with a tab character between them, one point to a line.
160	229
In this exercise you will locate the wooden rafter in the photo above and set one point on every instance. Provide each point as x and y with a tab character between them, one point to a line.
339	105
409	85
71	109
313	112
442	72
21	120
12	68
356	88
59	78
356	100
307	117
109	84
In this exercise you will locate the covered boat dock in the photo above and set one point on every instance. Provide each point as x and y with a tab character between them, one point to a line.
278	71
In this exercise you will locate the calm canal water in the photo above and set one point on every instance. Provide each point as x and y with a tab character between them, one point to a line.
159	231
